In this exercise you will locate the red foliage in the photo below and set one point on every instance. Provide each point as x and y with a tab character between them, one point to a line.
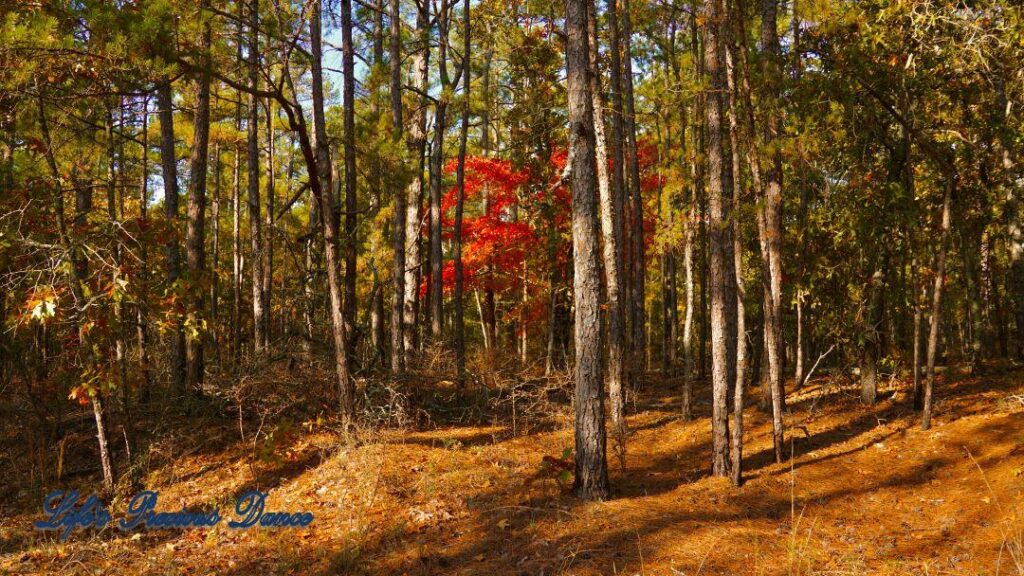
489	239
495	249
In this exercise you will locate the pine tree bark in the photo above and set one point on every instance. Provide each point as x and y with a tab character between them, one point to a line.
696	175
195	236
460	322
736	438
636	234
611	232
871	347
267	265
436	170
253	185
414	191
215	256
772	210
619	191
771	266
398	271
713	19
377	337
460	328
113	172
172	254
936	313
488	313
236	236
141	323
591	480
323	192
349	145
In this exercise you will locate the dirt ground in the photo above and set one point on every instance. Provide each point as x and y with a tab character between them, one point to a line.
867	492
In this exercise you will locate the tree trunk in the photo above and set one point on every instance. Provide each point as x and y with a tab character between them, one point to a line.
113	170
236	240
711	27
936	315
692	225
591	480
872	342
920	296
619	193
398	272
253	186
142	325
768	219
736	440
215	256
798	369
76	276
487	313
195	237
308	291
267	266
414	191
349	145
637	257
970	240
436	173
611	231
460	337
171	250
323	191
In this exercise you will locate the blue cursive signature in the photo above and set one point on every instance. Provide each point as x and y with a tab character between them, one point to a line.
66	515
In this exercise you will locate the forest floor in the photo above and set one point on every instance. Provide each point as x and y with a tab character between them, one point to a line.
867	492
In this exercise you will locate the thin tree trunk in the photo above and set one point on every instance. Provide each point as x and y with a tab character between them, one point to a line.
488	315
611	229
76	276
969	242
267	266
872	342
215	257
591	481
349	145
436	169
142	324
379	356
920	296
696	174
936	314
771	268
236	239
115	218
253	187
323	191
171	250
736	440
397	319
637	257
414	191
619	192
688	368
772	210
460	337
798	370
195	237
712	14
